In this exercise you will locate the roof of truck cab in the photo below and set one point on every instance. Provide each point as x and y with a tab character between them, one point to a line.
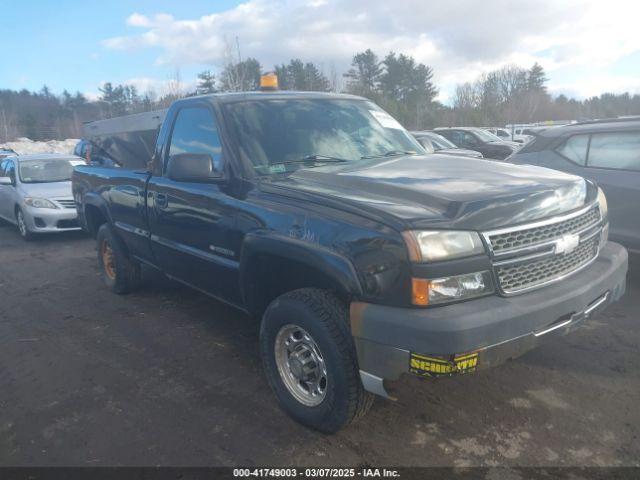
270	95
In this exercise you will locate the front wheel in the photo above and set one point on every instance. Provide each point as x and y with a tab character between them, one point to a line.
310	360
22	225
120	274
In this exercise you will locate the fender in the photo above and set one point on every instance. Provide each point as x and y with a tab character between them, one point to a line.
328	262
95	200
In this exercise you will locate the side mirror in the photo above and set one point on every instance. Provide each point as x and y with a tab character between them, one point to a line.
192	167
6	181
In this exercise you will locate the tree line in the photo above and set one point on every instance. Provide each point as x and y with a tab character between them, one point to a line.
397	82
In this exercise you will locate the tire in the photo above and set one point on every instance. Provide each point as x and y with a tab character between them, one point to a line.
23	229
322	316
119	273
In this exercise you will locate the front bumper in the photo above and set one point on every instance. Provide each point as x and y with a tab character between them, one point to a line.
46	220
391	341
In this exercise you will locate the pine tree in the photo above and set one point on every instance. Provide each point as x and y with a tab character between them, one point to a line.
536	79
206	83
301	76
364	76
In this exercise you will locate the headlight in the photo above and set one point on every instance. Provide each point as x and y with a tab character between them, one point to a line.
450	289
431	246
602	202
39	202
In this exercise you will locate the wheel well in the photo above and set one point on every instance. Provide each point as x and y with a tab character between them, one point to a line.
94	218
268	276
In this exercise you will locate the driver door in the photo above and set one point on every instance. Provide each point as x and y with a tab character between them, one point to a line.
192	223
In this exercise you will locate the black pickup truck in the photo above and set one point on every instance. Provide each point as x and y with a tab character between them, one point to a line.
364	257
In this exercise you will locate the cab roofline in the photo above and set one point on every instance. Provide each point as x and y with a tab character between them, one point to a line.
271	95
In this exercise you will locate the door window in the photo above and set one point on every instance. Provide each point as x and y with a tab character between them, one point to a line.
453	135
469	140
195	131
575	149
617	150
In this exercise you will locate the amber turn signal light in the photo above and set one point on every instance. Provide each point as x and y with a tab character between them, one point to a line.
420	291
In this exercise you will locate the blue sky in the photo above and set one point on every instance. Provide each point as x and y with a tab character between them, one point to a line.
586	46
58	42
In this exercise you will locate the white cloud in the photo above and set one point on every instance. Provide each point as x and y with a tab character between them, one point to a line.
593	85
459	39
137	20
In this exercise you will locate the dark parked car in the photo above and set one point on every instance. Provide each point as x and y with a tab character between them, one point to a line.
434	143
480	140
607	152
364	258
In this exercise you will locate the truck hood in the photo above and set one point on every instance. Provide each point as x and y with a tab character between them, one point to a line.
444	191
47	190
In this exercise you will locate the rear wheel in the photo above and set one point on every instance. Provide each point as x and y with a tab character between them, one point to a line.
119	273
22	225
310	359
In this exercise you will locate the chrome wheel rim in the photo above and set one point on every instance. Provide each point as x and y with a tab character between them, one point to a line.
301	365
21	225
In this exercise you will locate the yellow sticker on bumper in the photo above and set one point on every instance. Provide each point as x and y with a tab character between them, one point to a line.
434	366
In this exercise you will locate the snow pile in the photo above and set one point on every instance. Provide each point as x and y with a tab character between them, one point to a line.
25	146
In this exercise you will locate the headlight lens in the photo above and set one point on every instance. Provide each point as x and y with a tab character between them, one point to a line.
450	289
602	201
432	246
39	202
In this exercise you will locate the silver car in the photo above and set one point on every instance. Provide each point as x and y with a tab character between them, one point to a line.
35	193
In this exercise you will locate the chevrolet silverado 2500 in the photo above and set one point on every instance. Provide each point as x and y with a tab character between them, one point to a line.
364	258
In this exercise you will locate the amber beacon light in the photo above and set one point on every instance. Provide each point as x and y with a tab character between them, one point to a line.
269	81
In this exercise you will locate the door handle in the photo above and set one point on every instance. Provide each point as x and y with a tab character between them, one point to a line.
161	200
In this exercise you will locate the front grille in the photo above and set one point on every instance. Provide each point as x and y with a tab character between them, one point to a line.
531	236
67	203
533	255
514	278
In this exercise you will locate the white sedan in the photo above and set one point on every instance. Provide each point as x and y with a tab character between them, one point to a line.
35	193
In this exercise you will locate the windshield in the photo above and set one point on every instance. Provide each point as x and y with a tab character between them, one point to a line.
439	142
281	135
46	171
487	136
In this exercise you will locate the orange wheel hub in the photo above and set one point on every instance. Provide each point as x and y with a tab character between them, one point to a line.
108	261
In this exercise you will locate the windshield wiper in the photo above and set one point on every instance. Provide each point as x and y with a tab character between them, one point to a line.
391	153
308	161
319	158
312	159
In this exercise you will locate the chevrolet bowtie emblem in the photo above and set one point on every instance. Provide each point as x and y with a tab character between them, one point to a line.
567	244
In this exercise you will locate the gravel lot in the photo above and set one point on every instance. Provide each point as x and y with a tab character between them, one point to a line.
168	376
